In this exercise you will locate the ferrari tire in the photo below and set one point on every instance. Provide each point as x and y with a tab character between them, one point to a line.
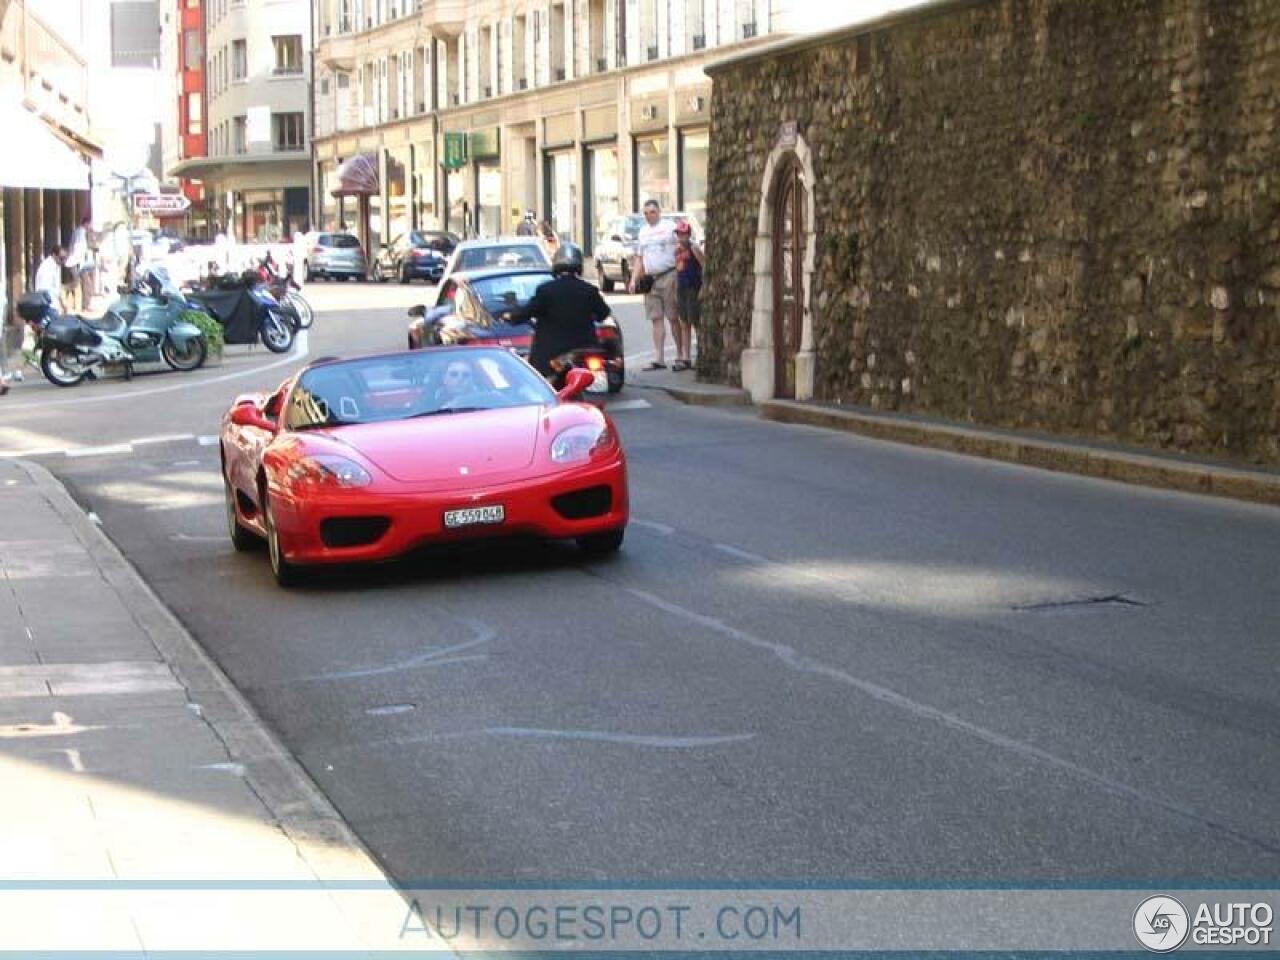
286	573
601	544
242	538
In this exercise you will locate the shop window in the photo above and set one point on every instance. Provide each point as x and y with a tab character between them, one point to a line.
653	172
694	154
288	53
286	131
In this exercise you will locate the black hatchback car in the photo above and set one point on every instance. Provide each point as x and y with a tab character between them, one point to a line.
491	307
416	255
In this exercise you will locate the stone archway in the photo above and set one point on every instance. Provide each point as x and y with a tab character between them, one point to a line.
758	359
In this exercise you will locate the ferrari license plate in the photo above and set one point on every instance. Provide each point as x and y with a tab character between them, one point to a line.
601	382
474	516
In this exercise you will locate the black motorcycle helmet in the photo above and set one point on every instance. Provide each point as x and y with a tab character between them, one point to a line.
567	259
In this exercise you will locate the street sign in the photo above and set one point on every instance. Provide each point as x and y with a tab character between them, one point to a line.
483	144
161	204
455	150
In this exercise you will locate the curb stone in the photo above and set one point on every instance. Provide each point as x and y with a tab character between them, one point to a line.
1125	467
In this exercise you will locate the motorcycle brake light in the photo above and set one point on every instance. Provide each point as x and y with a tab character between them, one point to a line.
595	363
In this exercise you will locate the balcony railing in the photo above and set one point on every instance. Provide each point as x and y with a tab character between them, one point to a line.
748	30
700	41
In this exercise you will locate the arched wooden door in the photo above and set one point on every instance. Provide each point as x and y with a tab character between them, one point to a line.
788	275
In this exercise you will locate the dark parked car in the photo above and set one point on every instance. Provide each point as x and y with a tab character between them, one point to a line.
490	307
418	254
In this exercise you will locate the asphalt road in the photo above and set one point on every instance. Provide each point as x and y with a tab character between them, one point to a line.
817	658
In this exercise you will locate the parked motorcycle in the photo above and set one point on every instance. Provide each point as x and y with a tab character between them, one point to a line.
287	291
247	310
144	326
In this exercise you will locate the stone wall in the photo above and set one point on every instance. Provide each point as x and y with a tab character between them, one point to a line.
1059	215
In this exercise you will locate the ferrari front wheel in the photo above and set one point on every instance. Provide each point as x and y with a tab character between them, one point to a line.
601	544
286	573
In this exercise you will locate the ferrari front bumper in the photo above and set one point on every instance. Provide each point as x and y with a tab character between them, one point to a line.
549	507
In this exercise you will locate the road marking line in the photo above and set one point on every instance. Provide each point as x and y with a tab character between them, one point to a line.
628	405
630	739
162	438
208	441
661	528
740	554
197	538
99	451
32	452
300	350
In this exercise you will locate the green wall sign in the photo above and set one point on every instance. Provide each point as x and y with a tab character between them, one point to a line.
455	150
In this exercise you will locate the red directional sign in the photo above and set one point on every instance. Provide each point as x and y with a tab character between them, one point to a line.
161	204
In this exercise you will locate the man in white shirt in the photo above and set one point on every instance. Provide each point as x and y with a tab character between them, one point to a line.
656	259
49	274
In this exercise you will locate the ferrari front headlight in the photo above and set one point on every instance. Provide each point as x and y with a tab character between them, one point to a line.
329	471
582	443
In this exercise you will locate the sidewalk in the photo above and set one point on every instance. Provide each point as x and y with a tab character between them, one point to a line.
145	806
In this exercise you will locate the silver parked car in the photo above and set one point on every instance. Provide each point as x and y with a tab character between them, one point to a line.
493	252
336	255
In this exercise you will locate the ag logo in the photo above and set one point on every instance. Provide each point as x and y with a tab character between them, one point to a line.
1160	923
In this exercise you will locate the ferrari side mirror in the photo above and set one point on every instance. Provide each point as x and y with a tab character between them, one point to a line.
248	415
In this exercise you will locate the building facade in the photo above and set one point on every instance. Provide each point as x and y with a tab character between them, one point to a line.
44	108
185	132
256	172
474	112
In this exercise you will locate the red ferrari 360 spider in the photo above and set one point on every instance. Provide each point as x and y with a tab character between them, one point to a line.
365	459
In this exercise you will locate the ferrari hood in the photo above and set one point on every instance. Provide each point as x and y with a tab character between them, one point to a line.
451	446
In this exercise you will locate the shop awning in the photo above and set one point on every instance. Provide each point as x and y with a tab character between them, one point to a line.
35	158
358	176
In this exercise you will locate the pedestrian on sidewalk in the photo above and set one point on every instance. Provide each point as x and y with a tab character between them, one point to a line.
689	263
528	226
655	277
49	275
549	238
80	262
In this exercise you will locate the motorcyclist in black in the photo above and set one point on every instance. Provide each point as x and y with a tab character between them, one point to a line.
566	310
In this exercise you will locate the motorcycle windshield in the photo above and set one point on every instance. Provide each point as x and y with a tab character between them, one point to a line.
160	274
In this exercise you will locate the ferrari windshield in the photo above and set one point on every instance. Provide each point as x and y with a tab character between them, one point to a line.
417	384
